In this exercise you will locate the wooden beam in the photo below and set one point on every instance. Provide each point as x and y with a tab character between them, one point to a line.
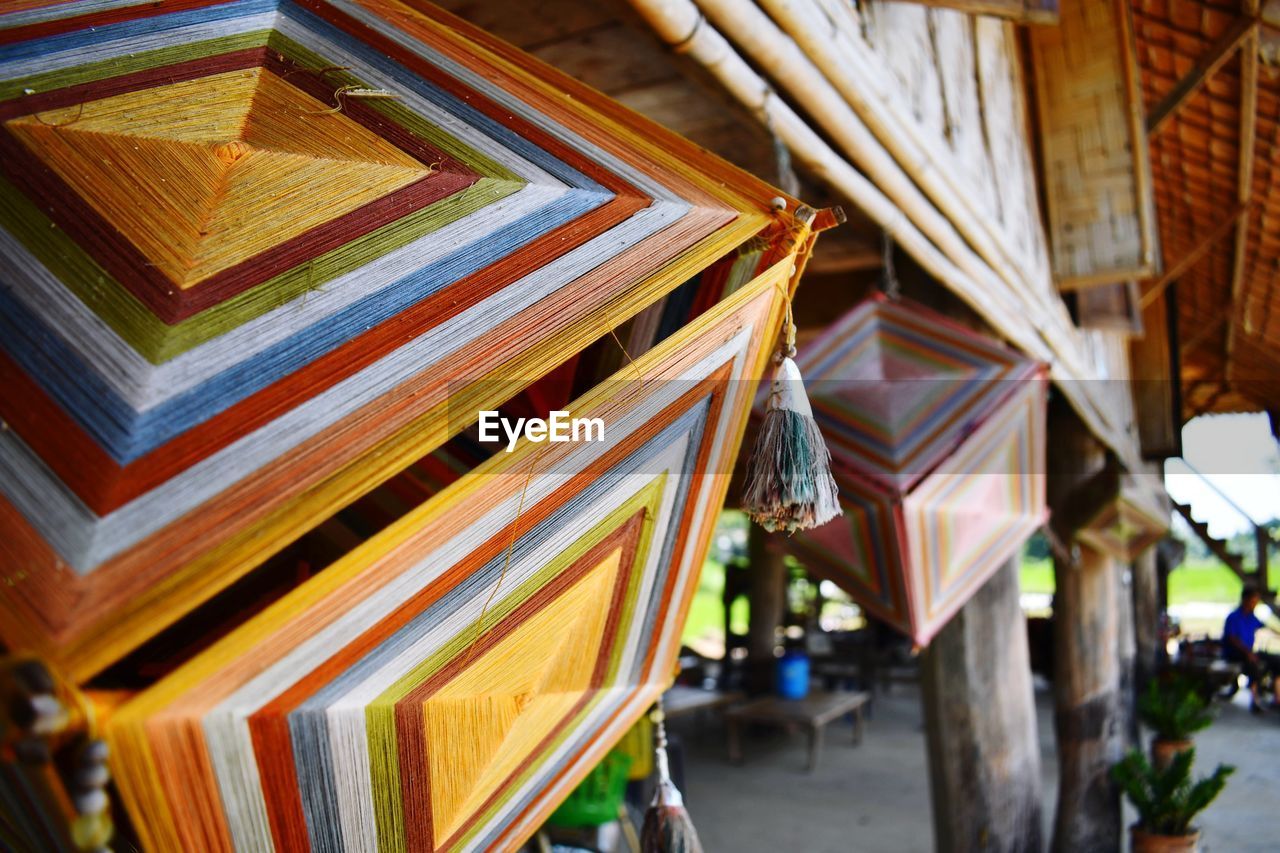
1206	331
1153	376
843	256
1018	11
1244	178
980	725
1217	55
1189	260
1145	590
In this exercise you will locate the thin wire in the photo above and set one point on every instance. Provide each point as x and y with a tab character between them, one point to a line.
79	114
353	91
618	341
515	522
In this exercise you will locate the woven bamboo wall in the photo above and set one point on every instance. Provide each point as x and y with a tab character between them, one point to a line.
961	78
1096	172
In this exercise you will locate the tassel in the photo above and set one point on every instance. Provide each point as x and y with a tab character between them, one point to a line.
788	483
667	826
788	479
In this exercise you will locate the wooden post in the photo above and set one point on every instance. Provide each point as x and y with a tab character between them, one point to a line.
1163	567
1128	650
980	720
1146	617
767	598
1086	679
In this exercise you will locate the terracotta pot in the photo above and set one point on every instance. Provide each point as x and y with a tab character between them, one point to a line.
1144	842
1164	751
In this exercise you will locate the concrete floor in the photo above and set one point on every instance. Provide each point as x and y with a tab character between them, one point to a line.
876	797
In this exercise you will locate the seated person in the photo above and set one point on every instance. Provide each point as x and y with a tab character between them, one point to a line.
1238	634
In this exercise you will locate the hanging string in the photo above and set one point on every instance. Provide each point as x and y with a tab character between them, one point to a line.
506	560
353	91
614	333
75	118
889	283
667	827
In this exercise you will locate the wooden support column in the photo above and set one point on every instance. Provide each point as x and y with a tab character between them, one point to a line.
1126	620
1154	365
767	599
1086	679
1146	617
1163	567
980	720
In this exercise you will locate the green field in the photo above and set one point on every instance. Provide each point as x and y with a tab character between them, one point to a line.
1194	581
1203	580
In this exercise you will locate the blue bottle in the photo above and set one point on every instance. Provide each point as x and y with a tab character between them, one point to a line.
793	674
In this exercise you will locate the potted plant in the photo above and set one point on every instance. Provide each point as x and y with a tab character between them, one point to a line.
1166	800
1175	710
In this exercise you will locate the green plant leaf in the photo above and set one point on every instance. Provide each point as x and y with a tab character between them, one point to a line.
1167	800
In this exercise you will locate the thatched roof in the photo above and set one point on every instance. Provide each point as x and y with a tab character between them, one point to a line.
1213	108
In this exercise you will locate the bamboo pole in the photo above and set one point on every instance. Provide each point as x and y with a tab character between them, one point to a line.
682	26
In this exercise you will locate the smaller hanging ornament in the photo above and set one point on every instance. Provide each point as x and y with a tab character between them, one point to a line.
937	436
667	826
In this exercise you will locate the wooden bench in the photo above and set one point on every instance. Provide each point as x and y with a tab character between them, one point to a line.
680	700
812	712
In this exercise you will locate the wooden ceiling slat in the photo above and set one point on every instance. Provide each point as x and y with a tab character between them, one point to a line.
1244	183
1190	258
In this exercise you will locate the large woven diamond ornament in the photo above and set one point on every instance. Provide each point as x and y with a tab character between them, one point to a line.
261	255
448	682
937	439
